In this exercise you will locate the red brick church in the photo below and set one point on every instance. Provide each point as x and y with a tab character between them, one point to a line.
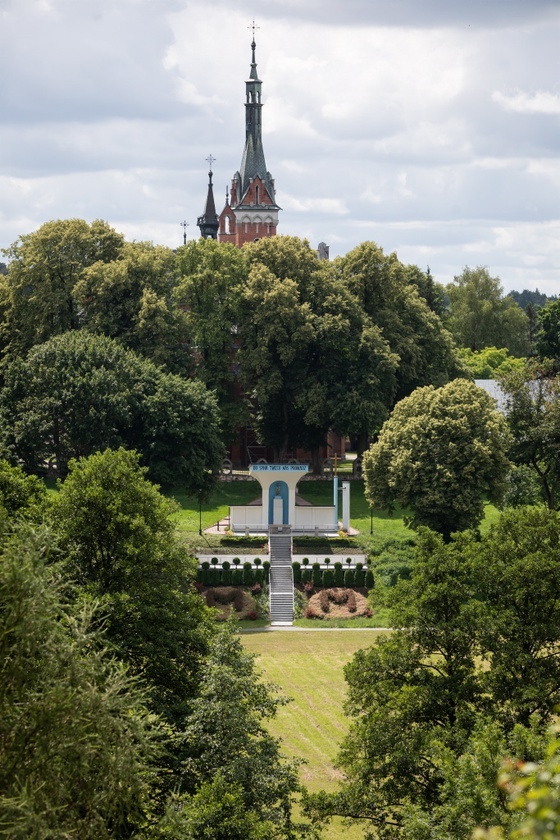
251	211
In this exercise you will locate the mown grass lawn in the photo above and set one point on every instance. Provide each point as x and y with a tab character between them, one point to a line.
308	666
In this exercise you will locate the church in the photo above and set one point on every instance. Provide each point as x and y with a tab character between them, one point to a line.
250	212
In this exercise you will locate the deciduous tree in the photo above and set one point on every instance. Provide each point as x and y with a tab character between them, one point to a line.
79	393
37	294
480	316
389	296
131	299
441	454
532	409
76	736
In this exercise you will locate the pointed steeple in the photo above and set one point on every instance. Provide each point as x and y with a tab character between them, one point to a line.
253	163
208	222
252	211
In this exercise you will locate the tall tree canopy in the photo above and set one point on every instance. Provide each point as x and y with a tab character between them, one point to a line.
211	277
441	453
548	336
480	316
311	359
76	738
79	393
37	294
388	293
131	299
532	409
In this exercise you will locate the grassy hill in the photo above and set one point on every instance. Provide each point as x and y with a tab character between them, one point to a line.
307	666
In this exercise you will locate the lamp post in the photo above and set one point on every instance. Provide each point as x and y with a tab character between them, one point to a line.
200	515
370	520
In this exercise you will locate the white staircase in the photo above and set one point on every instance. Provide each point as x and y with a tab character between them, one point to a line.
281	577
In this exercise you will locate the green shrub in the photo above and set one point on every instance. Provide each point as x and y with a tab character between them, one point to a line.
215	576
205	573
259	576
305	561
393	561
257	561
370	582
316	574
296	568
236	561
226	575
248	574
266	569
306	576
349	577
237	577
338	574
359	575
214	561
328	577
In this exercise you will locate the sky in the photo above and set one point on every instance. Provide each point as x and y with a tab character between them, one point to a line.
431	128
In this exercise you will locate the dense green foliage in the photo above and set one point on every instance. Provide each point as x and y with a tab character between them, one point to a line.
532	408
548	341
76	737
79	393
441	453
480	316
489	363
37	294
114	673
292	345
472	672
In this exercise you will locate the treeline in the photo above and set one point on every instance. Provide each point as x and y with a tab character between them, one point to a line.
124	711
287	343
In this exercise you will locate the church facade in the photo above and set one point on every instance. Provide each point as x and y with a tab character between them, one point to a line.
250	212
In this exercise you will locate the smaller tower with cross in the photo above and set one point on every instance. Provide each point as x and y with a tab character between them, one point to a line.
208	222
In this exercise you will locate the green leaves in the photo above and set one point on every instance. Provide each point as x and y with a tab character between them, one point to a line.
76	738
79	393
440	454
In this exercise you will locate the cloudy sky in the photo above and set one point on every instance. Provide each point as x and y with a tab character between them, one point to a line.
429	126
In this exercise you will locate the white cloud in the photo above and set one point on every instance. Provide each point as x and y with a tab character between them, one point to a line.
542	102
297	204
436	137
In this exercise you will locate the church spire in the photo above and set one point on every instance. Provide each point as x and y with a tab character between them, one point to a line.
208	222
252	212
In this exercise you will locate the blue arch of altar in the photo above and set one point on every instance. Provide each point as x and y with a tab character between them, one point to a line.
278	514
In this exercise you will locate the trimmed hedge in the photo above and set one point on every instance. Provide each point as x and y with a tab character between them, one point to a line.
248	574
296	568
316	574
338	574
359	576
349	577
328	577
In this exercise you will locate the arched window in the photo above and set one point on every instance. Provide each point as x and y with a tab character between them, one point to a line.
257	194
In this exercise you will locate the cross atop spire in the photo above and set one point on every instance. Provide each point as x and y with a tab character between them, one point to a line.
210	160
254	27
